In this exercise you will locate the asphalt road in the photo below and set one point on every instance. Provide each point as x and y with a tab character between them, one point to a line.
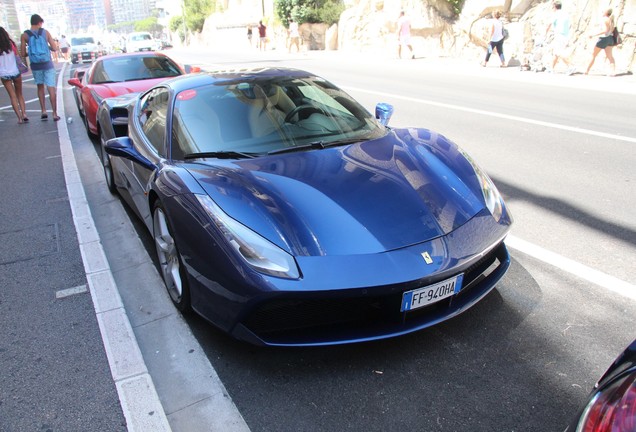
561	151
523	359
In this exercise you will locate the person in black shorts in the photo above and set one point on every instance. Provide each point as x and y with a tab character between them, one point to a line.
605	42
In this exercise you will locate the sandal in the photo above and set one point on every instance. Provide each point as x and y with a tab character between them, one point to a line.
44	116
56	118
25	119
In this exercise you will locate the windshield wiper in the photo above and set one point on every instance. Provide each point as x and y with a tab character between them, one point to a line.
314	145
221	155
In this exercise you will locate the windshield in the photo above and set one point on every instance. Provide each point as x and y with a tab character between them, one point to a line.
82	40
134	68
140	37
268	115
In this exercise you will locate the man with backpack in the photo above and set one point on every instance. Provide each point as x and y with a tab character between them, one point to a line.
41	43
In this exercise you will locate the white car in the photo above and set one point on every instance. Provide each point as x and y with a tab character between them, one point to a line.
84	49
140	41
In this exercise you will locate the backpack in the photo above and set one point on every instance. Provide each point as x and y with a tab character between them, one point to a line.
39	51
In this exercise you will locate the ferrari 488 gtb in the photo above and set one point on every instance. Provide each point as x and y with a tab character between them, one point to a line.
286	214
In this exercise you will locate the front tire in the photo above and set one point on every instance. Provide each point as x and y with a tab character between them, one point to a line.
172	268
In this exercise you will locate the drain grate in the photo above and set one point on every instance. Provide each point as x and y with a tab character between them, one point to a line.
29	243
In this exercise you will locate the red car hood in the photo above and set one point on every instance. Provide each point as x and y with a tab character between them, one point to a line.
120	88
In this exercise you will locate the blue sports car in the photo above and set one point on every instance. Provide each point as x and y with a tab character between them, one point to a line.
286	214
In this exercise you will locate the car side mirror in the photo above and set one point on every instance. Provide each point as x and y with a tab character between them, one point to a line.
123	147
383	112
192	69
75	82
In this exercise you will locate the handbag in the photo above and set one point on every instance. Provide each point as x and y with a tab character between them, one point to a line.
21	66
617	37
19	62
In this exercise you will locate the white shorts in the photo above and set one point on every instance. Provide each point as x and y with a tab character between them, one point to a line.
560	45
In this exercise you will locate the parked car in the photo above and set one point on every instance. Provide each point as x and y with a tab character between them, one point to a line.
84	49
611	406
286	214
78	74
119	74
141	41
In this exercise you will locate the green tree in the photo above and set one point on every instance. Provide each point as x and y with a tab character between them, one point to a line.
308	11
457	5
196	11
149	25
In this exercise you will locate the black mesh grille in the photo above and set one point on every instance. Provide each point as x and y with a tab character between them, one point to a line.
323	314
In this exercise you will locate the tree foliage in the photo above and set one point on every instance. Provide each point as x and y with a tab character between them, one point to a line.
456	5
196	11
308	11
150	25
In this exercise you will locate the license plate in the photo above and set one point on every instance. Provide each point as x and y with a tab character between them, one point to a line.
421	297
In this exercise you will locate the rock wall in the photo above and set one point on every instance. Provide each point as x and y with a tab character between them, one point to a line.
370	26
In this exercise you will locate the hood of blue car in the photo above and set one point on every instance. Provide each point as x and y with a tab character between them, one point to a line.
409	187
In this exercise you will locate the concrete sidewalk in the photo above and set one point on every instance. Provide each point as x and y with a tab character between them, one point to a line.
54	372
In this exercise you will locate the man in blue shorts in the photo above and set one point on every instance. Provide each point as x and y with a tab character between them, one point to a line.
41	43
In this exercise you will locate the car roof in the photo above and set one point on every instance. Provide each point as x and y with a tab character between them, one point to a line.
134	54
189	81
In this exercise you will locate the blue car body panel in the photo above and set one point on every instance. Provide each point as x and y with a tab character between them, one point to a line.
357	219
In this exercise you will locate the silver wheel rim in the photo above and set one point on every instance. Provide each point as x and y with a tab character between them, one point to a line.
108	172
167	255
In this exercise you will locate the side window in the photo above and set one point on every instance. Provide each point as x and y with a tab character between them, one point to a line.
153	109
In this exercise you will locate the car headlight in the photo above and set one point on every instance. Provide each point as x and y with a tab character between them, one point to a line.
492	197
258	252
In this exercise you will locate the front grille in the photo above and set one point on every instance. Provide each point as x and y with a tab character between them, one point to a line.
323	315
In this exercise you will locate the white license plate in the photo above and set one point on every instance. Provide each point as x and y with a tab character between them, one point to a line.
421	297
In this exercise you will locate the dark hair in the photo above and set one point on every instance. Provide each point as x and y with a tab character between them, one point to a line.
557	5
6	43
36	19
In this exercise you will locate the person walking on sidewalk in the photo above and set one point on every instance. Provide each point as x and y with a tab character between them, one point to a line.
496	39
404	35
605	42
10	75
64	46
41	43
294	35
560	26
262	36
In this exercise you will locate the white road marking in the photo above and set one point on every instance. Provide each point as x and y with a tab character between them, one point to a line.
577	269
570	266
71	291
498	115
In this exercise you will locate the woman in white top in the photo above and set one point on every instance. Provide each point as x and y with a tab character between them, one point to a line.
605	41
10	75
496	39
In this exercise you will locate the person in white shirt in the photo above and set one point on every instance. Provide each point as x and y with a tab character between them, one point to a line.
64	46
10	75
404	34
560	26
496	39
294	35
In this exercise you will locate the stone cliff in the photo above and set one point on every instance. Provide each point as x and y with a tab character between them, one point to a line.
370	25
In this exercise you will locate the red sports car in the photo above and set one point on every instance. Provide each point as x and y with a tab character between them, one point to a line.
119	74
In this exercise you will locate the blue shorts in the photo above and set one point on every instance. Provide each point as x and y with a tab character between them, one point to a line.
46	77
10	78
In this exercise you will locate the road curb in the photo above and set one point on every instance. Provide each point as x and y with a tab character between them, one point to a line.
137	394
